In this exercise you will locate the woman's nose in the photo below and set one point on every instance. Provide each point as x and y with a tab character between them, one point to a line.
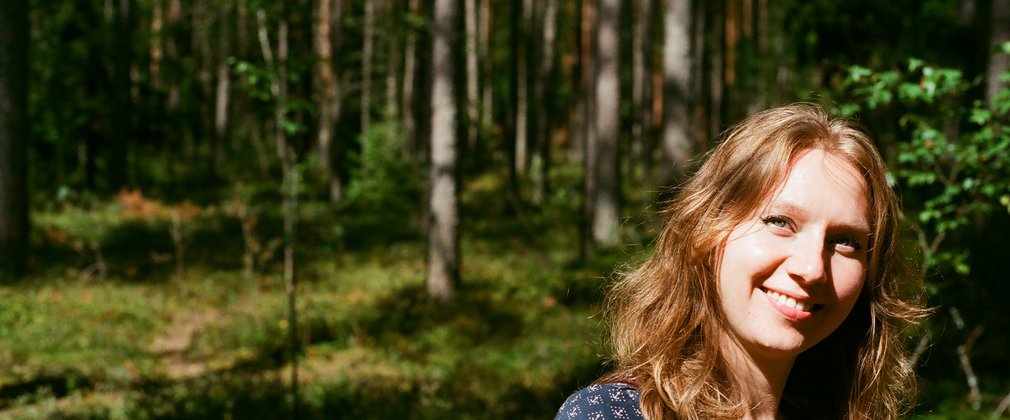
807	260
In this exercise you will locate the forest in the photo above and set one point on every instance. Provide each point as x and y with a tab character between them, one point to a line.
414	209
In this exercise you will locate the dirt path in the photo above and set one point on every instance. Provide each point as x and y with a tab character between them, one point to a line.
173	343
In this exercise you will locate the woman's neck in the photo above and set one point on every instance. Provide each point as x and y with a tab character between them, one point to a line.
761	379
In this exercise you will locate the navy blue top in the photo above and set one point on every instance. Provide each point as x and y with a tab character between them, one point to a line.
609	401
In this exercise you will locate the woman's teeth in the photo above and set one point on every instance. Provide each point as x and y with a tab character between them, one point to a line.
789	302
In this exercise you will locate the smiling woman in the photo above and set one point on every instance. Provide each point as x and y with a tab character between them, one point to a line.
775	290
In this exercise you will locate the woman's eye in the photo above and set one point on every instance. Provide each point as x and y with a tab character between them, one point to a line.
848	244
777	221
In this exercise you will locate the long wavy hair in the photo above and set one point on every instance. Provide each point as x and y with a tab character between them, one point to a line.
664	316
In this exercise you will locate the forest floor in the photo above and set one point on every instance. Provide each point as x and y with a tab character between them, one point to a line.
110	324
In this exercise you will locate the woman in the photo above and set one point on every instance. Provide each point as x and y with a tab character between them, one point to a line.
775	290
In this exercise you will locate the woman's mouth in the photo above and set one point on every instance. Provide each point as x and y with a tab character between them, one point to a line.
790	306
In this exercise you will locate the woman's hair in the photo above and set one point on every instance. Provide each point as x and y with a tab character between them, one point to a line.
665	317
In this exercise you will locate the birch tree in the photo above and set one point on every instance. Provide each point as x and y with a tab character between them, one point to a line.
443	231
606	207
676	145
999	62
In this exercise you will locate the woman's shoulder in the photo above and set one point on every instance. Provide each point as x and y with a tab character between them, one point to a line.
613	400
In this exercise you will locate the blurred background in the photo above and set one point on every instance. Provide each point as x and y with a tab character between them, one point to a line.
412	209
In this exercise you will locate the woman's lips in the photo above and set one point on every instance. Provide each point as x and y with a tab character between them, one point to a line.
789	306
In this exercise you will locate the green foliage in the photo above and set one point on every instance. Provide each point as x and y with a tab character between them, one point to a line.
387	180
960	179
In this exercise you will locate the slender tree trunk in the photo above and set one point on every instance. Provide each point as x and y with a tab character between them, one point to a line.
393	48
367	53
782	64
443	234
173	16
409	72
223	91
486	34
999	62
606	212
716	48
522	85
14	224
641	95
155	52
328	91
676	86
278	75
511	116
588	130
290	210
731	97
472	98
760	98
700	80
123	105
542	142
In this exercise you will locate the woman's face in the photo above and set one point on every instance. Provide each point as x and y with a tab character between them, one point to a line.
792	271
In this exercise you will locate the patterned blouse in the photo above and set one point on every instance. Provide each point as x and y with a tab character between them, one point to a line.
609	401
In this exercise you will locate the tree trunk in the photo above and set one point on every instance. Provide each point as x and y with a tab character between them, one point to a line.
542	142
393	48
511	116
641	94
443	234
329	93
715	49
223	92
999	62
278	75
486	34
13	137
472	98
606	206
173	16
588	126
699	124
676	85
759	100
409	73
368	40
122	106
522	94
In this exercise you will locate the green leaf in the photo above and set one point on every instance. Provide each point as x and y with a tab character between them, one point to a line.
980	116
856	73
914	64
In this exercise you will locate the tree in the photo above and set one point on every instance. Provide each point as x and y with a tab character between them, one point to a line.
998	63
676	145
541	158
472	101
641	89
606	194
122	106
13	136
443	231
328	12
223	91
367	53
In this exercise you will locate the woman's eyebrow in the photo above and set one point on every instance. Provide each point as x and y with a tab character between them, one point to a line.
861	227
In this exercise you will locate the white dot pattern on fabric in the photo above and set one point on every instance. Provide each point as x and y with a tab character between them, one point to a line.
610	401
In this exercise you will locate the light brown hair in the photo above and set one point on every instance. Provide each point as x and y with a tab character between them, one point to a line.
665	319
